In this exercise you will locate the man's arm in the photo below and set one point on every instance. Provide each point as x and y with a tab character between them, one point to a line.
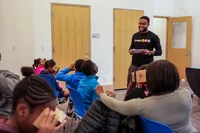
132	45
157	46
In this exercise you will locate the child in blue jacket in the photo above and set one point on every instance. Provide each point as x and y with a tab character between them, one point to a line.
71	80
88	84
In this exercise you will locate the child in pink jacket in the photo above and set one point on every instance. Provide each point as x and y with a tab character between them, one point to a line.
38	65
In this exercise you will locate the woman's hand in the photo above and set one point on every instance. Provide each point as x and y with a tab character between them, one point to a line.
99	90
110	94
49	121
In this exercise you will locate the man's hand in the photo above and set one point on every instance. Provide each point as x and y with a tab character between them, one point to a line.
145	52
131	52
72	67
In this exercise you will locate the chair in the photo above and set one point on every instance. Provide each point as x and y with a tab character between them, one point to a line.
51	81
150	126
193	75
78	109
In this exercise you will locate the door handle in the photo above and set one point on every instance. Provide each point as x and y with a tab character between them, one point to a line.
86	55
187	53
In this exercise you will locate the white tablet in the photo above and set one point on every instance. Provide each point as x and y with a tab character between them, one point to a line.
137	50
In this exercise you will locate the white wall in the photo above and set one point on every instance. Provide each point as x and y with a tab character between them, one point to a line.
163	7
160	29
16	34
101	22
176	8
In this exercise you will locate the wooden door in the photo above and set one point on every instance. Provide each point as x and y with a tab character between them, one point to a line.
70	33
125	25
179	43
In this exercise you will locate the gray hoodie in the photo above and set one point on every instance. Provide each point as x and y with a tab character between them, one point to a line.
8	81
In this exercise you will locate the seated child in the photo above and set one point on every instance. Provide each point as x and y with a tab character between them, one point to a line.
31	96
71	80
51	69
136	88
38	65
88	84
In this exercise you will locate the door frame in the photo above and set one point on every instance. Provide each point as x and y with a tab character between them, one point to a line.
76	5
114	44
188	38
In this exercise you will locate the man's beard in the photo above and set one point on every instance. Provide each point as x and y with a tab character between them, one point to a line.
144	30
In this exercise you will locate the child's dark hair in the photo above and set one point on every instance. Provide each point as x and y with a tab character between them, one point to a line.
88	68
32	89
78	64
36	62
49	63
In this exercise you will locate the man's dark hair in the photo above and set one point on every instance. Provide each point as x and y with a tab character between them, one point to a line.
162	76
146	18
33	89
88	68
78	64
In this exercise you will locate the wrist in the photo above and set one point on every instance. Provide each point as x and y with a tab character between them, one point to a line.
70	68
151	53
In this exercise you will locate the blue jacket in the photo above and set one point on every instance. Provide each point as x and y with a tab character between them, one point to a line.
87	90
72	80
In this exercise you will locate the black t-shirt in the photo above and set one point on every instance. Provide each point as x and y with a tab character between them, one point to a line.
148	41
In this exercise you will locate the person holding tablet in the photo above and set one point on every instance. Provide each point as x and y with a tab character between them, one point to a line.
142	46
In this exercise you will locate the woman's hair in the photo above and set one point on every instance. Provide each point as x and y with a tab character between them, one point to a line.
162	76
36	62
88	68
32	89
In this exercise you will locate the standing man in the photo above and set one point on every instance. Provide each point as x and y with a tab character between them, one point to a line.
146	41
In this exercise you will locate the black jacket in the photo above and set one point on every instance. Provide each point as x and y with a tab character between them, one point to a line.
8	81
100	119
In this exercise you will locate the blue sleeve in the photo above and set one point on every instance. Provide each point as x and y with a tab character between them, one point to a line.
63	76
95	96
